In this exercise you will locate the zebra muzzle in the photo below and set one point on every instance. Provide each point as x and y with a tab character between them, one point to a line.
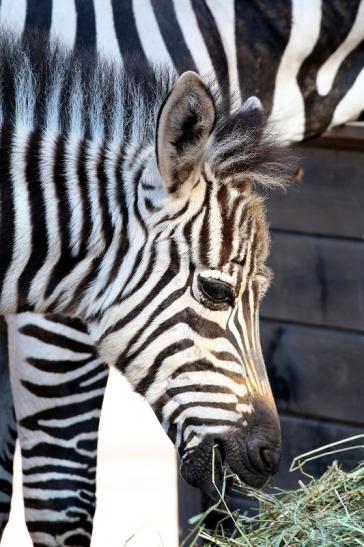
252	452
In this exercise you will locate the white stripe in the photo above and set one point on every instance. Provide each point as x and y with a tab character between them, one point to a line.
208	413
107	43
288	111
54	475
13	13
197	397
149	33
350	106
210	378
64	21
73	193
224	15
328	71
203	430
196	45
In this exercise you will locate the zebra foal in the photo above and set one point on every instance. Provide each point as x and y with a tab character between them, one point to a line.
126	199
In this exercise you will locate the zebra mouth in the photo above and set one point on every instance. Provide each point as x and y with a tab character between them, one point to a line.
211	465
207	468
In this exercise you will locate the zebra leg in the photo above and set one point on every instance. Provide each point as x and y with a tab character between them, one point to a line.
7	431
58	384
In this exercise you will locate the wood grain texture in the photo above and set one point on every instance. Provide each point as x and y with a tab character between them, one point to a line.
318	281
329	200
315	372
347	137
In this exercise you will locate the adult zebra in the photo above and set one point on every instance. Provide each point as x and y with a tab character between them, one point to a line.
305	96
126	199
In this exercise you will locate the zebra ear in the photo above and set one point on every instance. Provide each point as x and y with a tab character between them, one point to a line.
185	122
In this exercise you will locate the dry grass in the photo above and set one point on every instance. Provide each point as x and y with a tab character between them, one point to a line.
326	512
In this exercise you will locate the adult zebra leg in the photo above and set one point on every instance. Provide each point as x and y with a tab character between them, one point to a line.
7	431
58	383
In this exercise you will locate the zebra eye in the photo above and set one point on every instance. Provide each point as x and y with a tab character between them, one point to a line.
215	290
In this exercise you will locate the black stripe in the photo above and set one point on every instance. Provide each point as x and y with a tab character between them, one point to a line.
203	365
54	339
39	14
58	366
168	275
173	36
62	431
188	316
7	216
82	521
102	179
39	233
143	385
336	22
206	404
212	38
72	322
124	214
204	239
85	198
86	24
126	30
51	467
85	382
66	453
134	270
199	388
262	31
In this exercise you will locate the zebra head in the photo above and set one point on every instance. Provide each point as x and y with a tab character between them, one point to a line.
189	329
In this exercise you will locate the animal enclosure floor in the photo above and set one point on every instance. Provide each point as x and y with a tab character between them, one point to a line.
136	484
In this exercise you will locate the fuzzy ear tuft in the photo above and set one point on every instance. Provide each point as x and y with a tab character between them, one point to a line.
185	122
252	113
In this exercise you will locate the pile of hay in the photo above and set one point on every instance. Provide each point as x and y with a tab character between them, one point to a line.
326	512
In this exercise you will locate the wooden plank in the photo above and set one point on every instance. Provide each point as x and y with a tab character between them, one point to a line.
318	281
300	435
329	200
346	137
315	372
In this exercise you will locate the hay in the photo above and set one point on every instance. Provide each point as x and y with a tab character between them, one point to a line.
326	512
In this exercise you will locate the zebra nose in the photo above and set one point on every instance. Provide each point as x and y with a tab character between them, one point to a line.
263	444
264	459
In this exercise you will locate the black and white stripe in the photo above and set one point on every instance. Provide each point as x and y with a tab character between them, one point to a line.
306	65
182	40
59	382
143	184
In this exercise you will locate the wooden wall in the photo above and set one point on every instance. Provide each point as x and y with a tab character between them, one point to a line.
313	316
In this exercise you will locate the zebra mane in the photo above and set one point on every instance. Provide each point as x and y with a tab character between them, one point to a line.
245	149
44	85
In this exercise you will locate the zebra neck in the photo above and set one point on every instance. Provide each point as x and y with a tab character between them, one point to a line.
64	211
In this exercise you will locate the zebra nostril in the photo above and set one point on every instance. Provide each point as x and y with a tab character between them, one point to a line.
268	458
264	458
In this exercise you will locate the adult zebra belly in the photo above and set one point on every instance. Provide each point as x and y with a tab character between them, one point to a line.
306	65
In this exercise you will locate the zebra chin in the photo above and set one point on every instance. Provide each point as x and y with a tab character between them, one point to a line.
251	450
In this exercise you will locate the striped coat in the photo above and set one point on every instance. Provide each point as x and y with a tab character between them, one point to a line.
320	88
